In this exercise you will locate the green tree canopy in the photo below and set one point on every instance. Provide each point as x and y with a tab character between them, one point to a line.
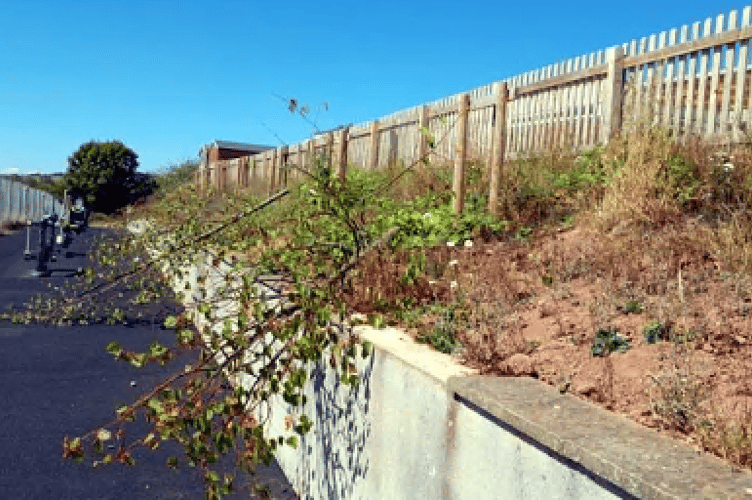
104	173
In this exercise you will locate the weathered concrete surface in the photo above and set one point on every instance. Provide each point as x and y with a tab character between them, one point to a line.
597	442
397	436
384	439
419	425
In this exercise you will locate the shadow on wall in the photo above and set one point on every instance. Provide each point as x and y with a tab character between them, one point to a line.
341	430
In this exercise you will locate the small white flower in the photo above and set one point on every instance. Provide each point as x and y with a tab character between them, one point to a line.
468	243
427	215
450	244
728	167
453	263
453	285
103	435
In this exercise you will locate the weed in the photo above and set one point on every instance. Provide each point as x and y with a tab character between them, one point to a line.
683	337
729	436
377	321
531	346
442	336
523	233
633	306
608	340
655	331
680	394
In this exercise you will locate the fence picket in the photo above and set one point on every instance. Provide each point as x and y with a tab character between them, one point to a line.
728	77
715	74
741	77
681	82
701	111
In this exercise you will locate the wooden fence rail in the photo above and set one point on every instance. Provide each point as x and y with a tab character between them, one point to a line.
695	80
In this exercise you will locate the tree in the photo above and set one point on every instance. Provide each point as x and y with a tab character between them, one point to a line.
104	173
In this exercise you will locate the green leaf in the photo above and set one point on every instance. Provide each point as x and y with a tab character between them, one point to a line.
171	322
156	405
366	348
138	360
185	336
114	348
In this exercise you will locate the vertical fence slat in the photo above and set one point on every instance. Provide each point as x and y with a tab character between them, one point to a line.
728	78
715	74
690	116
681	82
342	154
373	161
423	124
741	76
639	80
700	108
559	109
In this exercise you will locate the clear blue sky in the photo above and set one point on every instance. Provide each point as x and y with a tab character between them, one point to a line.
166	77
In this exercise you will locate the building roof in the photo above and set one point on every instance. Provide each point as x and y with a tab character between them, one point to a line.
240	146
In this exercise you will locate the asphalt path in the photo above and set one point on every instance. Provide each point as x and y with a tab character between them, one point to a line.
58	381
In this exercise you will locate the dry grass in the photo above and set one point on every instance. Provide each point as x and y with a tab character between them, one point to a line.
668	228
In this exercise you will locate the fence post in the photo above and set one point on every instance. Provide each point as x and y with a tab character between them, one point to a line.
374	152
460	159
274	171
267	169
243	166
499	145
252	173
298	161
614	91
311	159
330	148
342	156
422	131
284	160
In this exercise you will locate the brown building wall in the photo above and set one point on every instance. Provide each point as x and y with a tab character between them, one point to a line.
216	154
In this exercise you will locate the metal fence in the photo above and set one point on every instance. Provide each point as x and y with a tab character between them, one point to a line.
19	203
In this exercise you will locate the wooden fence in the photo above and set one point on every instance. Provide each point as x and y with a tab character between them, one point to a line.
695	80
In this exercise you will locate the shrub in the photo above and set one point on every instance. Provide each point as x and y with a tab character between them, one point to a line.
608	340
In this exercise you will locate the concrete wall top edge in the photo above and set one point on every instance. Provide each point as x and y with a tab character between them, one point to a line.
632	457
433	363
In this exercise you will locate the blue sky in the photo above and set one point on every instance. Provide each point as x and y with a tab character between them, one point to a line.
166	77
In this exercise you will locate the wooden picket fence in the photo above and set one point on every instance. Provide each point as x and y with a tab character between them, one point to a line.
694	80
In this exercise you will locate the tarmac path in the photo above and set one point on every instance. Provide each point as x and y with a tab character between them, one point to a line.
60	381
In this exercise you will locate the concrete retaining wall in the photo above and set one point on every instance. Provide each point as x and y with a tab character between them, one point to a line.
420	426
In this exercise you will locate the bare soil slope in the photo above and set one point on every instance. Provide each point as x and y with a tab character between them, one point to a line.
674	347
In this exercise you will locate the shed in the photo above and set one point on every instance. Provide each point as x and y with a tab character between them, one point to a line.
227	150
